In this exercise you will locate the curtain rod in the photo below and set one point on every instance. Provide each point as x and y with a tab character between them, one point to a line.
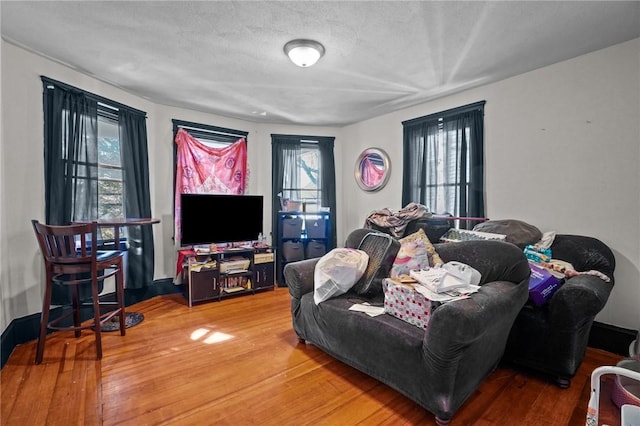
208	128
444	114
303	139
97	98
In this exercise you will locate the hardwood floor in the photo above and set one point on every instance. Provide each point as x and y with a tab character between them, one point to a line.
238	362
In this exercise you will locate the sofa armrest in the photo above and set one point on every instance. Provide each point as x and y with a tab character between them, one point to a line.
495	260
466	339
584	253
579	299
299	277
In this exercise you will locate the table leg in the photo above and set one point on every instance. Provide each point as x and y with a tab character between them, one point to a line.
131	318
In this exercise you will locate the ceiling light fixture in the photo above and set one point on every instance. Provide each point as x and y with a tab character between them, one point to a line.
304	53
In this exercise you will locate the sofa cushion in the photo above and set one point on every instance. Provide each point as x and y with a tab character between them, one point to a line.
416	252
518	232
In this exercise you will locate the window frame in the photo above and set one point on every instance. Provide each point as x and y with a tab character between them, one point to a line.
468	197
212	136
306	146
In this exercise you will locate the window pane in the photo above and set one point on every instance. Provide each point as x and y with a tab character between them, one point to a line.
305	185
110	186
213	144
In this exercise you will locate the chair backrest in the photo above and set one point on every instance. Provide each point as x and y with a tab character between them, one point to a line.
382	250
68	244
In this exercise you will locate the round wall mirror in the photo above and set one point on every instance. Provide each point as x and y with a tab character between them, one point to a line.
372	169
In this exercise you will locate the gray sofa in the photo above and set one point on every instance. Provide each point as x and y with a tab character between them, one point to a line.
438	368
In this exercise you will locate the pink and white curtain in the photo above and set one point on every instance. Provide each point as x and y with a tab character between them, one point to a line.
202	169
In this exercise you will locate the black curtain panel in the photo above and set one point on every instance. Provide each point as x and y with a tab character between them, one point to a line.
443	161
328	181
132	128
70	154
285	152
71	167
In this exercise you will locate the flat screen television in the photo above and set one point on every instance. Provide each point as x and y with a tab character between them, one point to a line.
219	218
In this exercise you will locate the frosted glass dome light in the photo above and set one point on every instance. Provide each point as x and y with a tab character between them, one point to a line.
304	53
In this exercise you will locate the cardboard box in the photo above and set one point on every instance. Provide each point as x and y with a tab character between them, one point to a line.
403	302
542	284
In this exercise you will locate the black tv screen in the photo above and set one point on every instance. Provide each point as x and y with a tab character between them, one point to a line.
219	218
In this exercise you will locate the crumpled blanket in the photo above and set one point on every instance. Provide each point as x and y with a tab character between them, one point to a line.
396	222
562	269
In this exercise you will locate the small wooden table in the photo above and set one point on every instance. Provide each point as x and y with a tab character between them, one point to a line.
118	223
131	318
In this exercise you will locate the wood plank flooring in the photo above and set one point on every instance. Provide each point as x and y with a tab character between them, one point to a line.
238	362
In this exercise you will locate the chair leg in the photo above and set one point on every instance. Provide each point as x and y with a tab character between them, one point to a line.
97	325
120	298
44	320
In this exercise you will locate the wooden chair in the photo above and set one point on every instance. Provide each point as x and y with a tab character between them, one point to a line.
72	260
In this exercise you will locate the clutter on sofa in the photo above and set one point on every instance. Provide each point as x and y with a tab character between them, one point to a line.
455	235
337	271
515	231
414	216
395	222
405	303
416	252
446	349
551	333
382	250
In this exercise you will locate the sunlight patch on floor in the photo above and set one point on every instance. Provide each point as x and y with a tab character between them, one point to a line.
209	337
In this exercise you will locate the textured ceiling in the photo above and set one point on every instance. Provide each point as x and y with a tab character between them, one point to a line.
226	57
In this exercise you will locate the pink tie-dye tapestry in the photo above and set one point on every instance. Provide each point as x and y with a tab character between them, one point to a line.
201	169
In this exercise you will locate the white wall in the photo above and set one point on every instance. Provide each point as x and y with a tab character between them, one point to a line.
580	175
562	148
22	188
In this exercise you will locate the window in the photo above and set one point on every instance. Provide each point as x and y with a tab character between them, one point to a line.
96	167
211	136
302	183
208	159
303	169
110	177
214	137
443	159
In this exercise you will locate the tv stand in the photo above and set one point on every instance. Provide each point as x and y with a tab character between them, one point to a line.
229	272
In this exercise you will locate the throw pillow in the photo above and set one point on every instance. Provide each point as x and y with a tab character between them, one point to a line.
416	252
518	232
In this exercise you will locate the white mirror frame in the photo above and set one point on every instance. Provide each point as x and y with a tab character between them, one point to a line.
381	158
